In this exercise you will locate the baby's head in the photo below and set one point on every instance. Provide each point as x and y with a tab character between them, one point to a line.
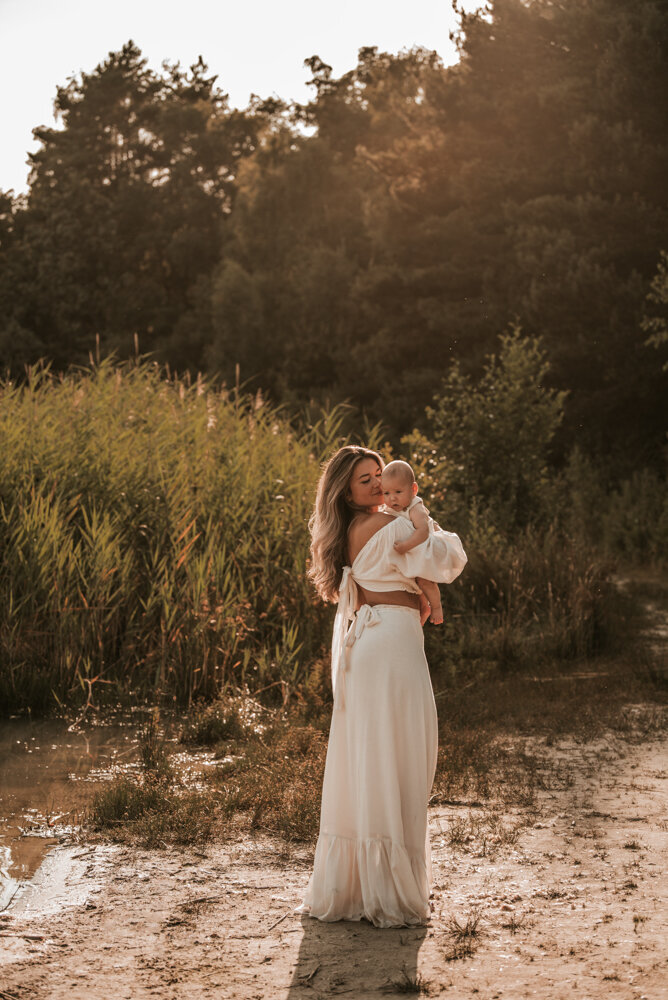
399	486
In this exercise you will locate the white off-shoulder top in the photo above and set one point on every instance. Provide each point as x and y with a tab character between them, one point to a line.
378	567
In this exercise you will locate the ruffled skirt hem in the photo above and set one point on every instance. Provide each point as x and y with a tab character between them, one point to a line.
374	879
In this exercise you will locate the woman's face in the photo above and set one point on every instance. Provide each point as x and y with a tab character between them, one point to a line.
364	489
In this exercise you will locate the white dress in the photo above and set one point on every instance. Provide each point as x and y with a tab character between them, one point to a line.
372	858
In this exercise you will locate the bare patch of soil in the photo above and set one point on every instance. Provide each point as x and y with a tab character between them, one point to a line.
567	899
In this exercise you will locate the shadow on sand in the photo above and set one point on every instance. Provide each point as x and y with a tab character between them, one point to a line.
347	958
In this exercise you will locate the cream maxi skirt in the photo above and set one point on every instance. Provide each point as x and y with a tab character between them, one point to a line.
372	858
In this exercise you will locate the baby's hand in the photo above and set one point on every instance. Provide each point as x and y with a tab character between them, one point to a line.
400	547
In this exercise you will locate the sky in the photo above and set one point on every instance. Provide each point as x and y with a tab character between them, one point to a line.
257	47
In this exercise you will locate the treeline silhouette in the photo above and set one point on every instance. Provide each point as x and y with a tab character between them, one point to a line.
354	247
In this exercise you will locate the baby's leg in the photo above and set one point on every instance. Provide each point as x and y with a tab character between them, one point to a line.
433	595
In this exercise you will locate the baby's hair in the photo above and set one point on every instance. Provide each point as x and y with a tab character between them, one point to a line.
399	470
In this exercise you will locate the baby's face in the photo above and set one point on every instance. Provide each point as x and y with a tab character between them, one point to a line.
397	493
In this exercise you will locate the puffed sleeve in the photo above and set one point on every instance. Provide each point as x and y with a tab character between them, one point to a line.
440	558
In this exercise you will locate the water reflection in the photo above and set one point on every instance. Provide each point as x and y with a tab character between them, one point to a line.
353	958
47	776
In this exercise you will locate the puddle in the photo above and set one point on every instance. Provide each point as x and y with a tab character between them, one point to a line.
67	876
47	778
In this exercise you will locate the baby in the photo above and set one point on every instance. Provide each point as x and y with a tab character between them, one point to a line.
400	493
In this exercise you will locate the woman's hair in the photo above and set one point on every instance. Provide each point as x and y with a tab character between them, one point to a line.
331	518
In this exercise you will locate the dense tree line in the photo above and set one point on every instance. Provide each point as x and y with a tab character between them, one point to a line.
356	246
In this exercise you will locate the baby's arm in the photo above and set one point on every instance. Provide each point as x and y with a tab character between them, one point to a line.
420	521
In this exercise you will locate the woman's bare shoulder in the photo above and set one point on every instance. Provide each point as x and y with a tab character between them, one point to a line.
363	528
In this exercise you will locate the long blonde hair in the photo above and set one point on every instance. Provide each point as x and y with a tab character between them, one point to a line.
331	519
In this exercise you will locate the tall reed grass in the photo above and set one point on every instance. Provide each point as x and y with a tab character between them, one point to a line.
154	540
153	535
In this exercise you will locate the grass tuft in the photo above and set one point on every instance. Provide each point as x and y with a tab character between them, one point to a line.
153	809
276	781
460	950
516	923
213	724
407	983
461	931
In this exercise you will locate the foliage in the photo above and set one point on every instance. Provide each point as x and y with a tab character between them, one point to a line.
212	724
123	217
153	534
283	799
634	520
154	540
500	188
352	246
496	433
626	521
154	808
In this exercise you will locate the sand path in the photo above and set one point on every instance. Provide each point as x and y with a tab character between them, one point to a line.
576	906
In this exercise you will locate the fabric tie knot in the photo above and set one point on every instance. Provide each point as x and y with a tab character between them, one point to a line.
366	617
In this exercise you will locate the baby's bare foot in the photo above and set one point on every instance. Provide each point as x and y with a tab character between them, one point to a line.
436	616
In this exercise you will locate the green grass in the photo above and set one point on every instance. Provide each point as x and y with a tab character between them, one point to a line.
269	763
276	781
154	808
154	542
212	724
268	777
153	536
154	814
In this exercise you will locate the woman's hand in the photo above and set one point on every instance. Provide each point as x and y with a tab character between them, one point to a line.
425	608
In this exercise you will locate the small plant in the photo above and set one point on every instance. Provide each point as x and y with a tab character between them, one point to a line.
633	845
638	921
515	923
460	949
153	752
462	931
458	832
213	724
409	984
555	894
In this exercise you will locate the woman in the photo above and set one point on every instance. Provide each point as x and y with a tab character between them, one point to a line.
372	858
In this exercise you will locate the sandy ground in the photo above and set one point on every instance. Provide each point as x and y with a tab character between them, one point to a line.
576	906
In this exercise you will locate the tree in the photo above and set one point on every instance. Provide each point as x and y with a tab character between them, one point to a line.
445	201
126	204
495	433
534	187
